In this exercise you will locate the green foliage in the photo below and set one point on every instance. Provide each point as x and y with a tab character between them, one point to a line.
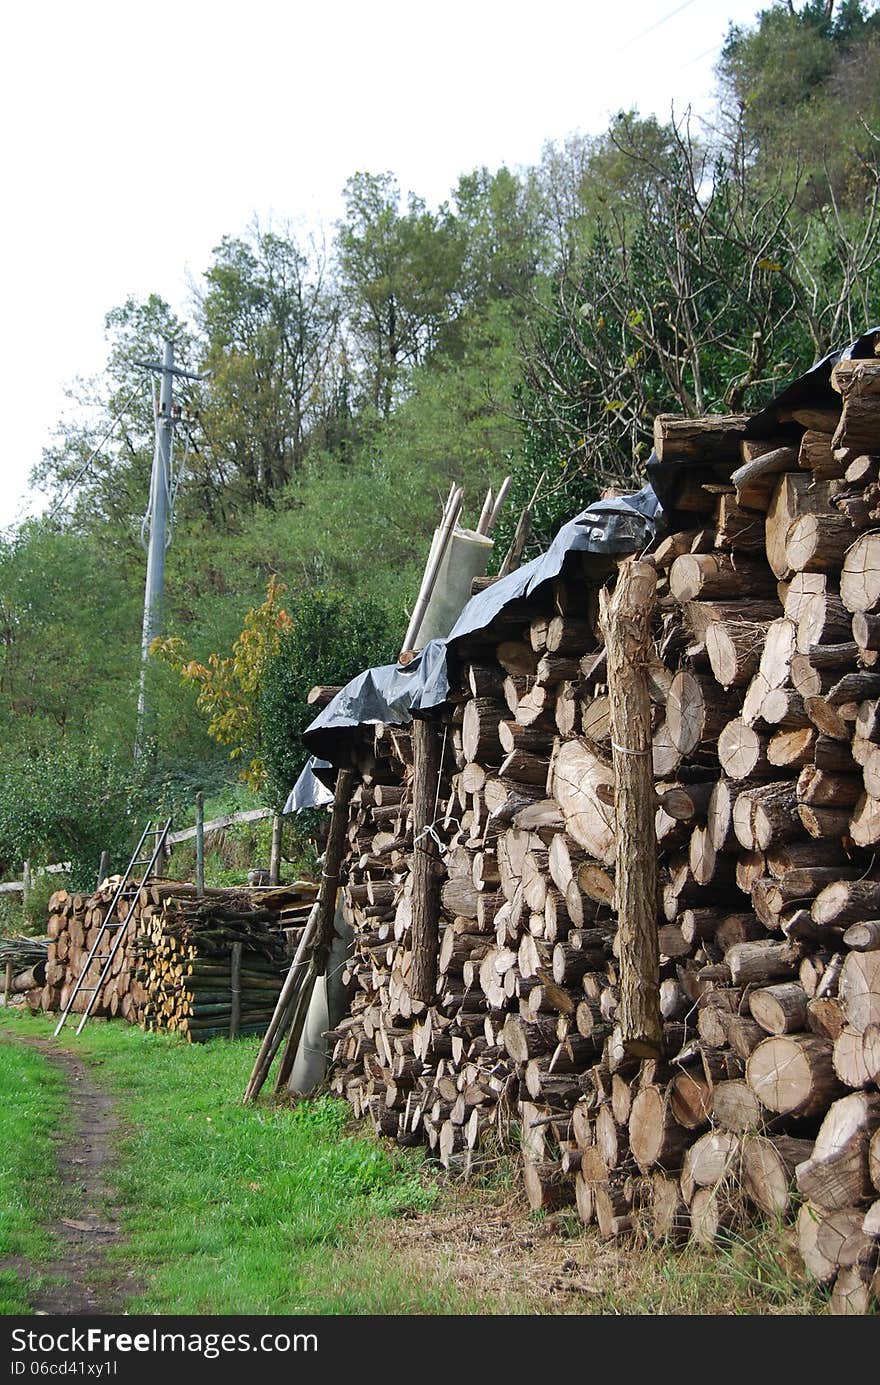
329	640
399	273
270	323
70	804
805	85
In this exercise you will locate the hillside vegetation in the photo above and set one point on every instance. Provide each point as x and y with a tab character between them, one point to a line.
533	324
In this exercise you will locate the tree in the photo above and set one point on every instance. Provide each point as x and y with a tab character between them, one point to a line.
329	639
269	317
228	687
799	93
697	292
98	466
400	276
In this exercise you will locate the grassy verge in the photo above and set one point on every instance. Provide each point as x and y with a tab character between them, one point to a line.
231	1209
31	1108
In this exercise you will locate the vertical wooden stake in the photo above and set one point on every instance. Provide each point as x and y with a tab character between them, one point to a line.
426	881
626	619
200	845
235	991
7	989
26	883
333	854
103	868
275	851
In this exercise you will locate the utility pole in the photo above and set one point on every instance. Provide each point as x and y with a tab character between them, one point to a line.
155	532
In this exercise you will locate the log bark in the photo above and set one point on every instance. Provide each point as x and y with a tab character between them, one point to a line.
626	618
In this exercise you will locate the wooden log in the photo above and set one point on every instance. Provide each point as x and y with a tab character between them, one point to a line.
755	481
823	621
626	620
695	713
577	778
860	575
846	902
708	1161
766	816
768	1170
836	1173
657	1140
815	672
780	1009
859	989
793	1074
818	542
425	861
794	495
717	577
742	751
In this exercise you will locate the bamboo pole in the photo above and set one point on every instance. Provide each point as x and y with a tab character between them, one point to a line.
7	989
498	502
432	568
626	618
103	868
520	538
275	851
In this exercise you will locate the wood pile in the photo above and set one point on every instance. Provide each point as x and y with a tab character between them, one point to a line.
186	964
764	684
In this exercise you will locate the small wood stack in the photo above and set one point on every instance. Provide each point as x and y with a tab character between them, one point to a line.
173	969
22	963
766	697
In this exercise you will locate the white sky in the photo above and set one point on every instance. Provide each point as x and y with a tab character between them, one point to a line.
136	136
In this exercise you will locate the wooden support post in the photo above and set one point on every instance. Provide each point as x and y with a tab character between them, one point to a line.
425	875
275	851
26	884
7	989
235	992
333	854
626	618
200	845
103	868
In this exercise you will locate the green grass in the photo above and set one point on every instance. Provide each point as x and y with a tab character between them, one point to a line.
233	1209
31	1107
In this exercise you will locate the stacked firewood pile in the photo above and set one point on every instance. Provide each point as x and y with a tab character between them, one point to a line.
766	755
185	964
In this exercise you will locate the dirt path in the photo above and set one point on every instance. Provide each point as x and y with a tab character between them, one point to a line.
79	1279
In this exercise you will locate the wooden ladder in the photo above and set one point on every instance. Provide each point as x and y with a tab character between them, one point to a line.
126	889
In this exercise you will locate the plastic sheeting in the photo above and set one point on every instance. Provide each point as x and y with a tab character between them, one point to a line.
466	557
393	693
309	791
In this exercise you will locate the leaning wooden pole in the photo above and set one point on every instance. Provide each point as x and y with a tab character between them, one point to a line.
626	618
333	854
426	868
